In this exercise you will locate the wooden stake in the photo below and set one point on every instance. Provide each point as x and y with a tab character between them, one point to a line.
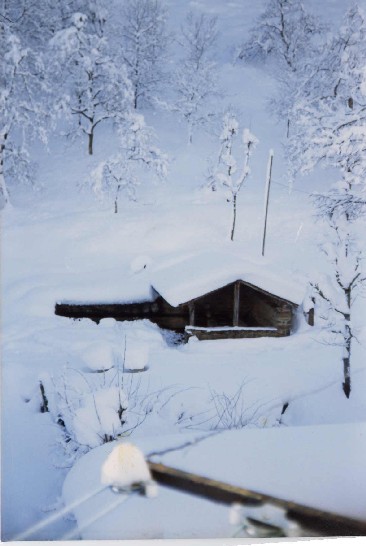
268	185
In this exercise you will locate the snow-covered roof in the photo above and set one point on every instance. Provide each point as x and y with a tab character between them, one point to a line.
194	276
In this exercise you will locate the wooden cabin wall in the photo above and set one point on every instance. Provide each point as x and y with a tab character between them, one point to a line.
248	301
216	308
270	312
264	310
212	310
159	312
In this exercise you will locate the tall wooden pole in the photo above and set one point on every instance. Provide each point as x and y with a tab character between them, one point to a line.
266	199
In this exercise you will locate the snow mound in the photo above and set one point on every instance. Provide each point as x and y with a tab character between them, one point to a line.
107	323
137	355
125	466
99	356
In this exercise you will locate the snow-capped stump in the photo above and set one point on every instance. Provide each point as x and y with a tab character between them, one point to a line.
107	323
99	357
136	356
126	469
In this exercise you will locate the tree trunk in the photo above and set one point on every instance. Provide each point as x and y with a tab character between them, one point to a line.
234	218
347	361
116	199
90	142
190	134
4	194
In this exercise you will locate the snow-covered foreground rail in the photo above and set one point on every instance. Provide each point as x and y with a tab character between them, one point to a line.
283	472
312	522
317	521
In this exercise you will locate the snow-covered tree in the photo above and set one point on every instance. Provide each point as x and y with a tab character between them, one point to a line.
330	118
22	91
329	110
93	87
330	130
285	37
282	33
122	172
335	295
226	173
144	43
195	80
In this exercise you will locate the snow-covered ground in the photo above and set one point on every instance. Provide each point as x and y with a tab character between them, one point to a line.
62	244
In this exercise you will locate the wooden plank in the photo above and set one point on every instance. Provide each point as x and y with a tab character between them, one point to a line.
231	334
236	303
325	523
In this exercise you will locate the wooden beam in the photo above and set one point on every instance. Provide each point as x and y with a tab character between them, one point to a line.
236	303
325	523
191	314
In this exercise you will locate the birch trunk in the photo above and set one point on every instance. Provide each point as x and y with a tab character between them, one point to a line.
4	194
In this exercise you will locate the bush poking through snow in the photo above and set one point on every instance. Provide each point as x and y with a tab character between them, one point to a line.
92	409
100	419
44	404
230	411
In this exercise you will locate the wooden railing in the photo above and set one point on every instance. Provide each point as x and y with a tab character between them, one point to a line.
317	521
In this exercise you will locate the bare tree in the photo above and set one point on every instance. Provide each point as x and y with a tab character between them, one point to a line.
195	80
284	37
144	43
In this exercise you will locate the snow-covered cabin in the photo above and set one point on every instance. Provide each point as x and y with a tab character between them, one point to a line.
212	296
